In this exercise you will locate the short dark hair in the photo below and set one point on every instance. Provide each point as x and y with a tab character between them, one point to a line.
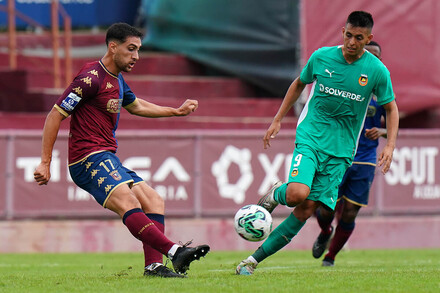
373	43
120	32
360	19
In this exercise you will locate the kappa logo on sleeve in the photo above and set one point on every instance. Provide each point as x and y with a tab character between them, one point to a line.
69	103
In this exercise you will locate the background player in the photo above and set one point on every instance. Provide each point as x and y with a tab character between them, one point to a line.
328	129
355	186
94	100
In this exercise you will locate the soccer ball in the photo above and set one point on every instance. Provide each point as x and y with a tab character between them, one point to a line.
253	222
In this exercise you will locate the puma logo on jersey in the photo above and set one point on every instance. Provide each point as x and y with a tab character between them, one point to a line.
329	73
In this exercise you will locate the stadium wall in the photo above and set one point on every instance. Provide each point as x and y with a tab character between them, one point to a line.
204	177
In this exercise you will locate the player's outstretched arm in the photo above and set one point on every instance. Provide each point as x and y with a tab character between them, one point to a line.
143	108
293	93
392	119
50	133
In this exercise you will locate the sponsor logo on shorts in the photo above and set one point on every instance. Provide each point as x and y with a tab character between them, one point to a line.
69	103
294	172
93	173
88	165
114	105
115	174
108	188
363	80
101	180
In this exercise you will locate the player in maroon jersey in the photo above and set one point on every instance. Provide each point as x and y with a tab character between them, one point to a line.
94	100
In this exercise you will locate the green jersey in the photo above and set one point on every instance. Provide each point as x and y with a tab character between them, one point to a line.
333	116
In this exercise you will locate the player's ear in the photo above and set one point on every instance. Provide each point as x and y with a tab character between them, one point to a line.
112	46
370	37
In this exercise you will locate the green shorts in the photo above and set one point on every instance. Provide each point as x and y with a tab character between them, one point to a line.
320	172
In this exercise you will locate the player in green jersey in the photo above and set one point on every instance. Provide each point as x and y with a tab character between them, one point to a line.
355	186
344	79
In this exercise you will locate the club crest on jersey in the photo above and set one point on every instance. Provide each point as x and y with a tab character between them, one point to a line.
115	174
70	102
114	105
294	172
363	80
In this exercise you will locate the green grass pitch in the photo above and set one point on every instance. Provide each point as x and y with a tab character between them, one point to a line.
286	271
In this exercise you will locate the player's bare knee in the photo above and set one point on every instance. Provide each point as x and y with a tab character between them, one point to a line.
159	203
302	214
296	193
121	203
305	210
150	200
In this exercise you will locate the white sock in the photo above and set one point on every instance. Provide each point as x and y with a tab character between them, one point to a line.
252	259
172	251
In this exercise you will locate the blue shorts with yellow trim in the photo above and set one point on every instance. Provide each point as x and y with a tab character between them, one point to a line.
356	183
100	173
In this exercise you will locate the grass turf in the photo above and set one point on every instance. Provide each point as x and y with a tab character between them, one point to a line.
286	271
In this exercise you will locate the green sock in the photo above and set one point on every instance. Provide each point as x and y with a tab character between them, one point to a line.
279	238
280	194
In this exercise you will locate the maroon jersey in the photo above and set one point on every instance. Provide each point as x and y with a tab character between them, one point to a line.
94	100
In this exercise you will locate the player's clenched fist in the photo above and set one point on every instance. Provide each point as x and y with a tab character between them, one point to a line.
188	107
42	174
